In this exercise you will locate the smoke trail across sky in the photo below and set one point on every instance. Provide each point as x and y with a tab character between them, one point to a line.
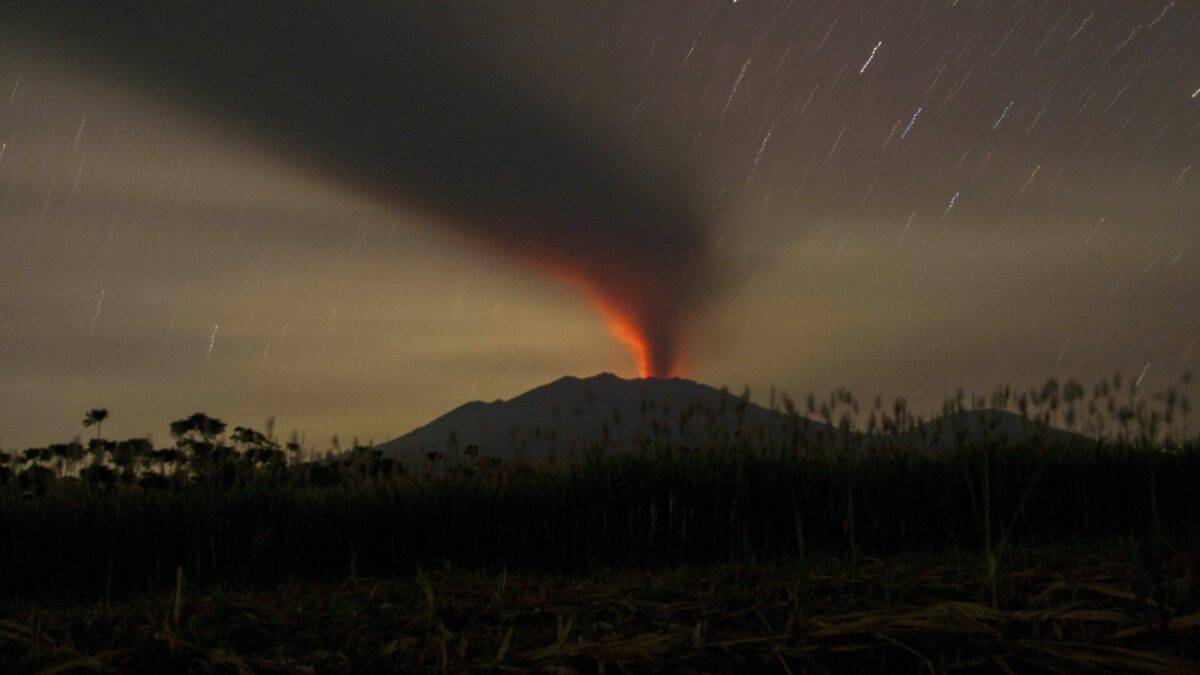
382	99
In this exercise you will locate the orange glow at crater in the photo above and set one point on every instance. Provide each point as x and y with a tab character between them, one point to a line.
634	340
640	303
622	322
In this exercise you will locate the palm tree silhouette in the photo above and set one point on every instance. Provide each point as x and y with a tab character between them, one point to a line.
95	417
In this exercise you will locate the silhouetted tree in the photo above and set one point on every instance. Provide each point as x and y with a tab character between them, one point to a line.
196	434
99	448
166	456
98	475
198	424
94	418
45	454
35	480
129	453
258	448
67	454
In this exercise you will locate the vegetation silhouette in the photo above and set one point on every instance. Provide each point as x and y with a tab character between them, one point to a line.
243	507
95	417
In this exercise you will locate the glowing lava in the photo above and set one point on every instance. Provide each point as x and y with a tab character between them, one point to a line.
644	282
654	356
634	340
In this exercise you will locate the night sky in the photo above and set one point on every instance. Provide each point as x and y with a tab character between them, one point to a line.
355	217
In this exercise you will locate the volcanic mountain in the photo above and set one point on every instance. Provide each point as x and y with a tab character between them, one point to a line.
571	417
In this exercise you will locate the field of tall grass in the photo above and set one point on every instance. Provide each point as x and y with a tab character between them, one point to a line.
635	510
235	511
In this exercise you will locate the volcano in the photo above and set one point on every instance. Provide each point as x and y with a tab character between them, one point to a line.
572	417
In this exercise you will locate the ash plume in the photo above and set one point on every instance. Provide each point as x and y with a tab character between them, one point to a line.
383	99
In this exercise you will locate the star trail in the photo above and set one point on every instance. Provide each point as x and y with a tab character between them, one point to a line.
906	198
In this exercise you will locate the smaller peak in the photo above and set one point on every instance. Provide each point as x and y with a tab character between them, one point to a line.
473	405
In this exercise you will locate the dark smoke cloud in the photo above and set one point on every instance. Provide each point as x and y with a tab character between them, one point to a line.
381	98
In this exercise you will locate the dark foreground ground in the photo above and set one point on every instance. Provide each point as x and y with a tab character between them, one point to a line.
1100	606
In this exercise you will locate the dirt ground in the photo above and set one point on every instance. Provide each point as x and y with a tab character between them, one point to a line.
1101	606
